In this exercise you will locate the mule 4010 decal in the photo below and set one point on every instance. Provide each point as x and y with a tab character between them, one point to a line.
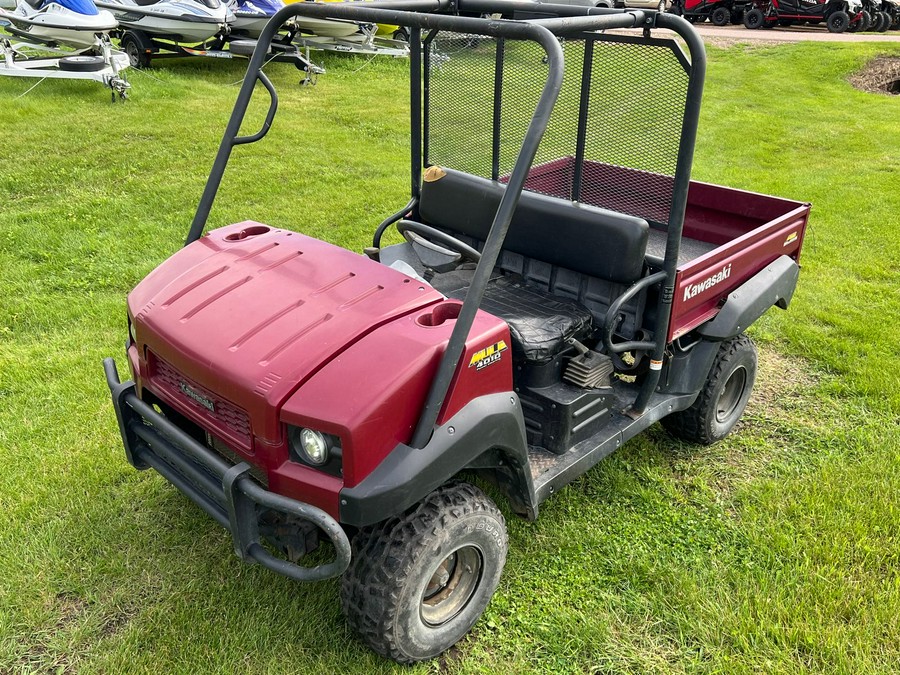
485	357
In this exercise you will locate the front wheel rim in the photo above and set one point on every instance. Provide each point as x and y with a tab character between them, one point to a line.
731	395
452	585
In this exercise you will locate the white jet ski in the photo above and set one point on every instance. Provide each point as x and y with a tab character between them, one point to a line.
77	24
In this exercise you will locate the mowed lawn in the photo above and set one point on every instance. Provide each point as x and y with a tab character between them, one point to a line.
776	550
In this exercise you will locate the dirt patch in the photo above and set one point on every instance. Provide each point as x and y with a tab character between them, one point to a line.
781	381
880	76
46	650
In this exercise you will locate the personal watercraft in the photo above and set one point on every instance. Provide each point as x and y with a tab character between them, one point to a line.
187	21
251	16
326	28
77	24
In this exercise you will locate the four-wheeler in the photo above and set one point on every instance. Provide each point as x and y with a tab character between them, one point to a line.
878	15
838	15
719	12
560	286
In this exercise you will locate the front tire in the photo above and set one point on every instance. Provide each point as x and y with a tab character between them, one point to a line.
838	22
721	16
724	396
754	18
418	582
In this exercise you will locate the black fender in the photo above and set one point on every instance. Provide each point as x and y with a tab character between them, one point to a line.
773	285
488	433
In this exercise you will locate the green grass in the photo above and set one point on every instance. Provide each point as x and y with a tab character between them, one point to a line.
776	550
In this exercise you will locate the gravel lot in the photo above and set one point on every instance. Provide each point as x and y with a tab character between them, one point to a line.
731	34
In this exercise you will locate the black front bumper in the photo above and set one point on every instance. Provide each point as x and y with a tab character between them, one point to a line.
226	492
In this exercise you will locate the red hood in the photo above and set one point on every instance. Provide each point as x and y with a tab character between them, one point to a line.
250	312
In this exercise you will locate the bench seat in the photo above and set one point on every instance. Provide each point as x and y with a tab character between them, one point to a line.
562	263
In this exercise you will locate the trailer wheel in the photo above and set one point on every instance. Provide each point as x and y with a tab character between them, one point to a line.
723	398
837	22
136	51
418	582
754	18
721	16
82	64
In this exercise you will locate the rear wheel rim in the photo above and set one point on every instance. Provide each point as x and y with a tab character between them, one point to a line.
134	56
732	393
452	585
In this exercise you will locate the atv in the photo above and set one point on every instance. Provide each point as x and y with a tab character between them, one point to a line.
719	12
878	15
838	15
560	286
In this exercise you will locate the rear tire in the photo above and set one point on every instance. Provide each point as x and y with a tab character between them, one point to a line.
136	52
864	23
82	64
838	22
754	18
885	22
419	581
721	16
724	396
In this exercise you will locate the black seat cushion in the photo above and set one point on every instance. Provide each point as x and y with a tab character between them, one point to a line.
539	323
579	237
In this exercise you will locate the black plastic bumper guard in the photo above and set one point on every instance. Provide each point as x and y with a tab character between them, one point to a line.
225	492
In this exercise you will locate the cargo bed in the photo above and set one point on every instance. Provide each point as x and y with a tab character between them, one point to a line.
729	235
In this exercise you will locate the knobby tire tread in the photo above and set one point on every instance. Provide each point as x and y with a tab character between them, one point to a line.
370	591
689	424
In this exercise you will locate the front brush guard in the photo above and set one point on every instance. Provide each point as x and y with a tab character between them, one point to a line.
225	492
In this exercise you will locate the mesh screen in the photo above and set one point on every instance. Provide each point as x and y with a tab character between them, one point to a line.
635	107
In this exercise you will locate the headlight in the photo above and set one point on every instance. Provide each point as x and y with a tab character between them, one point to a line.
311	446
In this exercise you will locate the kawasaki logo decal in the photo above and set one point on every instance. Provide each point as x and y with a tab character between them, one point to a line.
488	355
197	397
708	283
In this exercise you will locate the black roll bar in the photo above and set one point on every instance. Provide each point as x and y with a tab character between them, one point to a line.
371	13
679	202
494	243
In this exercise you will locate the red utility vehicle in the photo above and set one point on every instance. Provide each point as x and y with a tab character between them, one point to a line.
563	286
719	12
838	15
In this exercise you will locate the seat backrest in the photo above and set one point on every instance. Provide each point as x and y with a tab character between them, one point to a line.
579	237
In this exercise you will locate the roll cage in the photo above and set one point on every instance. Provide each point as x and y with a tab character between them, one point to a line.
546	25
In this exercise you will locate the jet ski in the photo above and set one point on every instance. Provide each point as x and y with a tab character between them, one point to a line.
77	24
251	16
328	28
187	21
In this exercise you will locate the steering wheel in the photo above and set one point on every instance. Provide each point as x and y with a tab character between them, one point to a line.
436	241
